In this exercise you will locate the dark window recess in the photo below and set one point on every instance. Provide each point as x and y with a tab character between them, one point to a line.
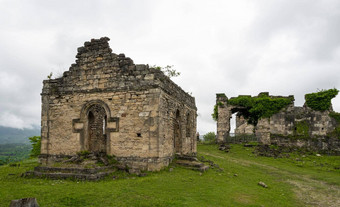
110	99
139	135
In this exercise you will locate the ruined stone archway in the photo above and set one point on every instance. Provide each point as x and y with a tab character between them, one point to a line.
95	125
96	129
177	133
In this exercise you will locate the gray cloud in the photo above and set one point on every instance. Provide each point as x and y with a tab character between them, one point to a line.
236	47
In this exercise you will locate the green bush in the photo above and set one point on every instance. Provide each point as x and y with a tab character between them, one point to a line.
321	101
36	146
209	137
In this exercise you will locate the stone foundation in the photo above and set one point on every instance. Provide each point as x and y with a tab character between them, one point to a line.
320	144
149	164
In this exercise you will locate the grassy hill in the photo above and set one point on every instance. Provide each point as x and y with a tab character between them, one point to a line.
14	152
14	143
294	181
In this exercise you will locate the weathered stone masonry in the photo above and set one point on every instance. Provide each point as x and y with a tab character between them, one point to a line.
106	103
292	126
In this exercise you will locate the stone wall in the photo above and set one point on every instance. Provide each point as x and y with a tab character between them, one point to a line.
323	144
224	116
138	105
242	126
287	122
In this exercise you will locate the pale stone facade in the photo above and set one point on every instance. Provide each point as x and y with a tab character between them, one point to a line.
106	103
242	126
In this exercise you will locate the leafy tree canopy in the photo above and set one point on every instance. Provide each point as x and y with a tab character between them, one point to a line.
209	137
36	145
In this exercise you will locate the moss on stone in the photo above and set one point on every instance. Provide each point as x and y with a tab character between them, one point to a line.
301	128
221	95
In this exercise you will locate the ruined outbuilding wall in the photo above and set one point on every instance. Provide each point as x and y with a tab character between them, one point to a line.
301	127
131	97
292	126
286	122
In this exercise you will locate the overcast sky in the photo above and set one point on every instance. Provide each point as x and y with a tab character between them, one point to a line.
232	47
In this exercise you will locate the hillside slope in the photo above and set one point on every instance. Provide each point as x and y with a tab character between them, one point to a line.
10	135
295	181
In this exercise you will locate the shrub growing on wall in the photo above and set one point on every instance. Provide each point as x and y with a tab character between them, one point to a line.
255	108
321	100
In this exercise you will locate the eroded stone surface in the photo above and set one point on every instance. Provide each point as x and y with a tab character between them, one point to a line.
106	103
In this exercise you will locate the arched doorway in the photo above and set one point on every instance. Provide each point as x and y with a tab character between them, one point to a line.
96	129
177	133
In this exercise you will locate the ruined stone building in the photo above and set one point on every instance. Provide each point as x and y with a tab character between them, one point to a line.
292	125
106	103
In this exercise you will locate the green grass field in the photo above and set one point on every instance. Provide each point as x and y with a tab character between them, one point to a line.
296	181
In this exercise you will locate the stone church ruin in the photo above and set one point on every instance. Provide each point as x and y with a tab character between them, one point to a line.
275	120
107	104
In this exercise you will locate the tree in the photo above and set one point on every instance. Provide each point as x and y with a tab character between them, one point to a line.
167	70
36	145
209	137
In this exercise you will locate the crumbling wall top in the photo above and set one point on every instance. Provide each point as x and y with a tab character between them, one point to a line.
97	69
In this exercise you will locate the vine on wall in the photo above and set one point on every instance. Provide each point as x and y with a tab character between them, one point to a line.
215	114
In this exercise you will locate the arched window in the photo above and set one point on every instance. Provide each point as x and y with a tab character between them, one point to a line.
188	125
177	133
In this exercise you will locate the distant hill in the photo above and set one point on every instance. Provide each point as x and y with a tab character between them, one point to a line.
12	135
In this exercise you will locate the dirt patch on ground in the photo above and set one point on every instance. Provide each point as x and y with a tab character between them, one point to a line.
243	199
316	193
243	163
